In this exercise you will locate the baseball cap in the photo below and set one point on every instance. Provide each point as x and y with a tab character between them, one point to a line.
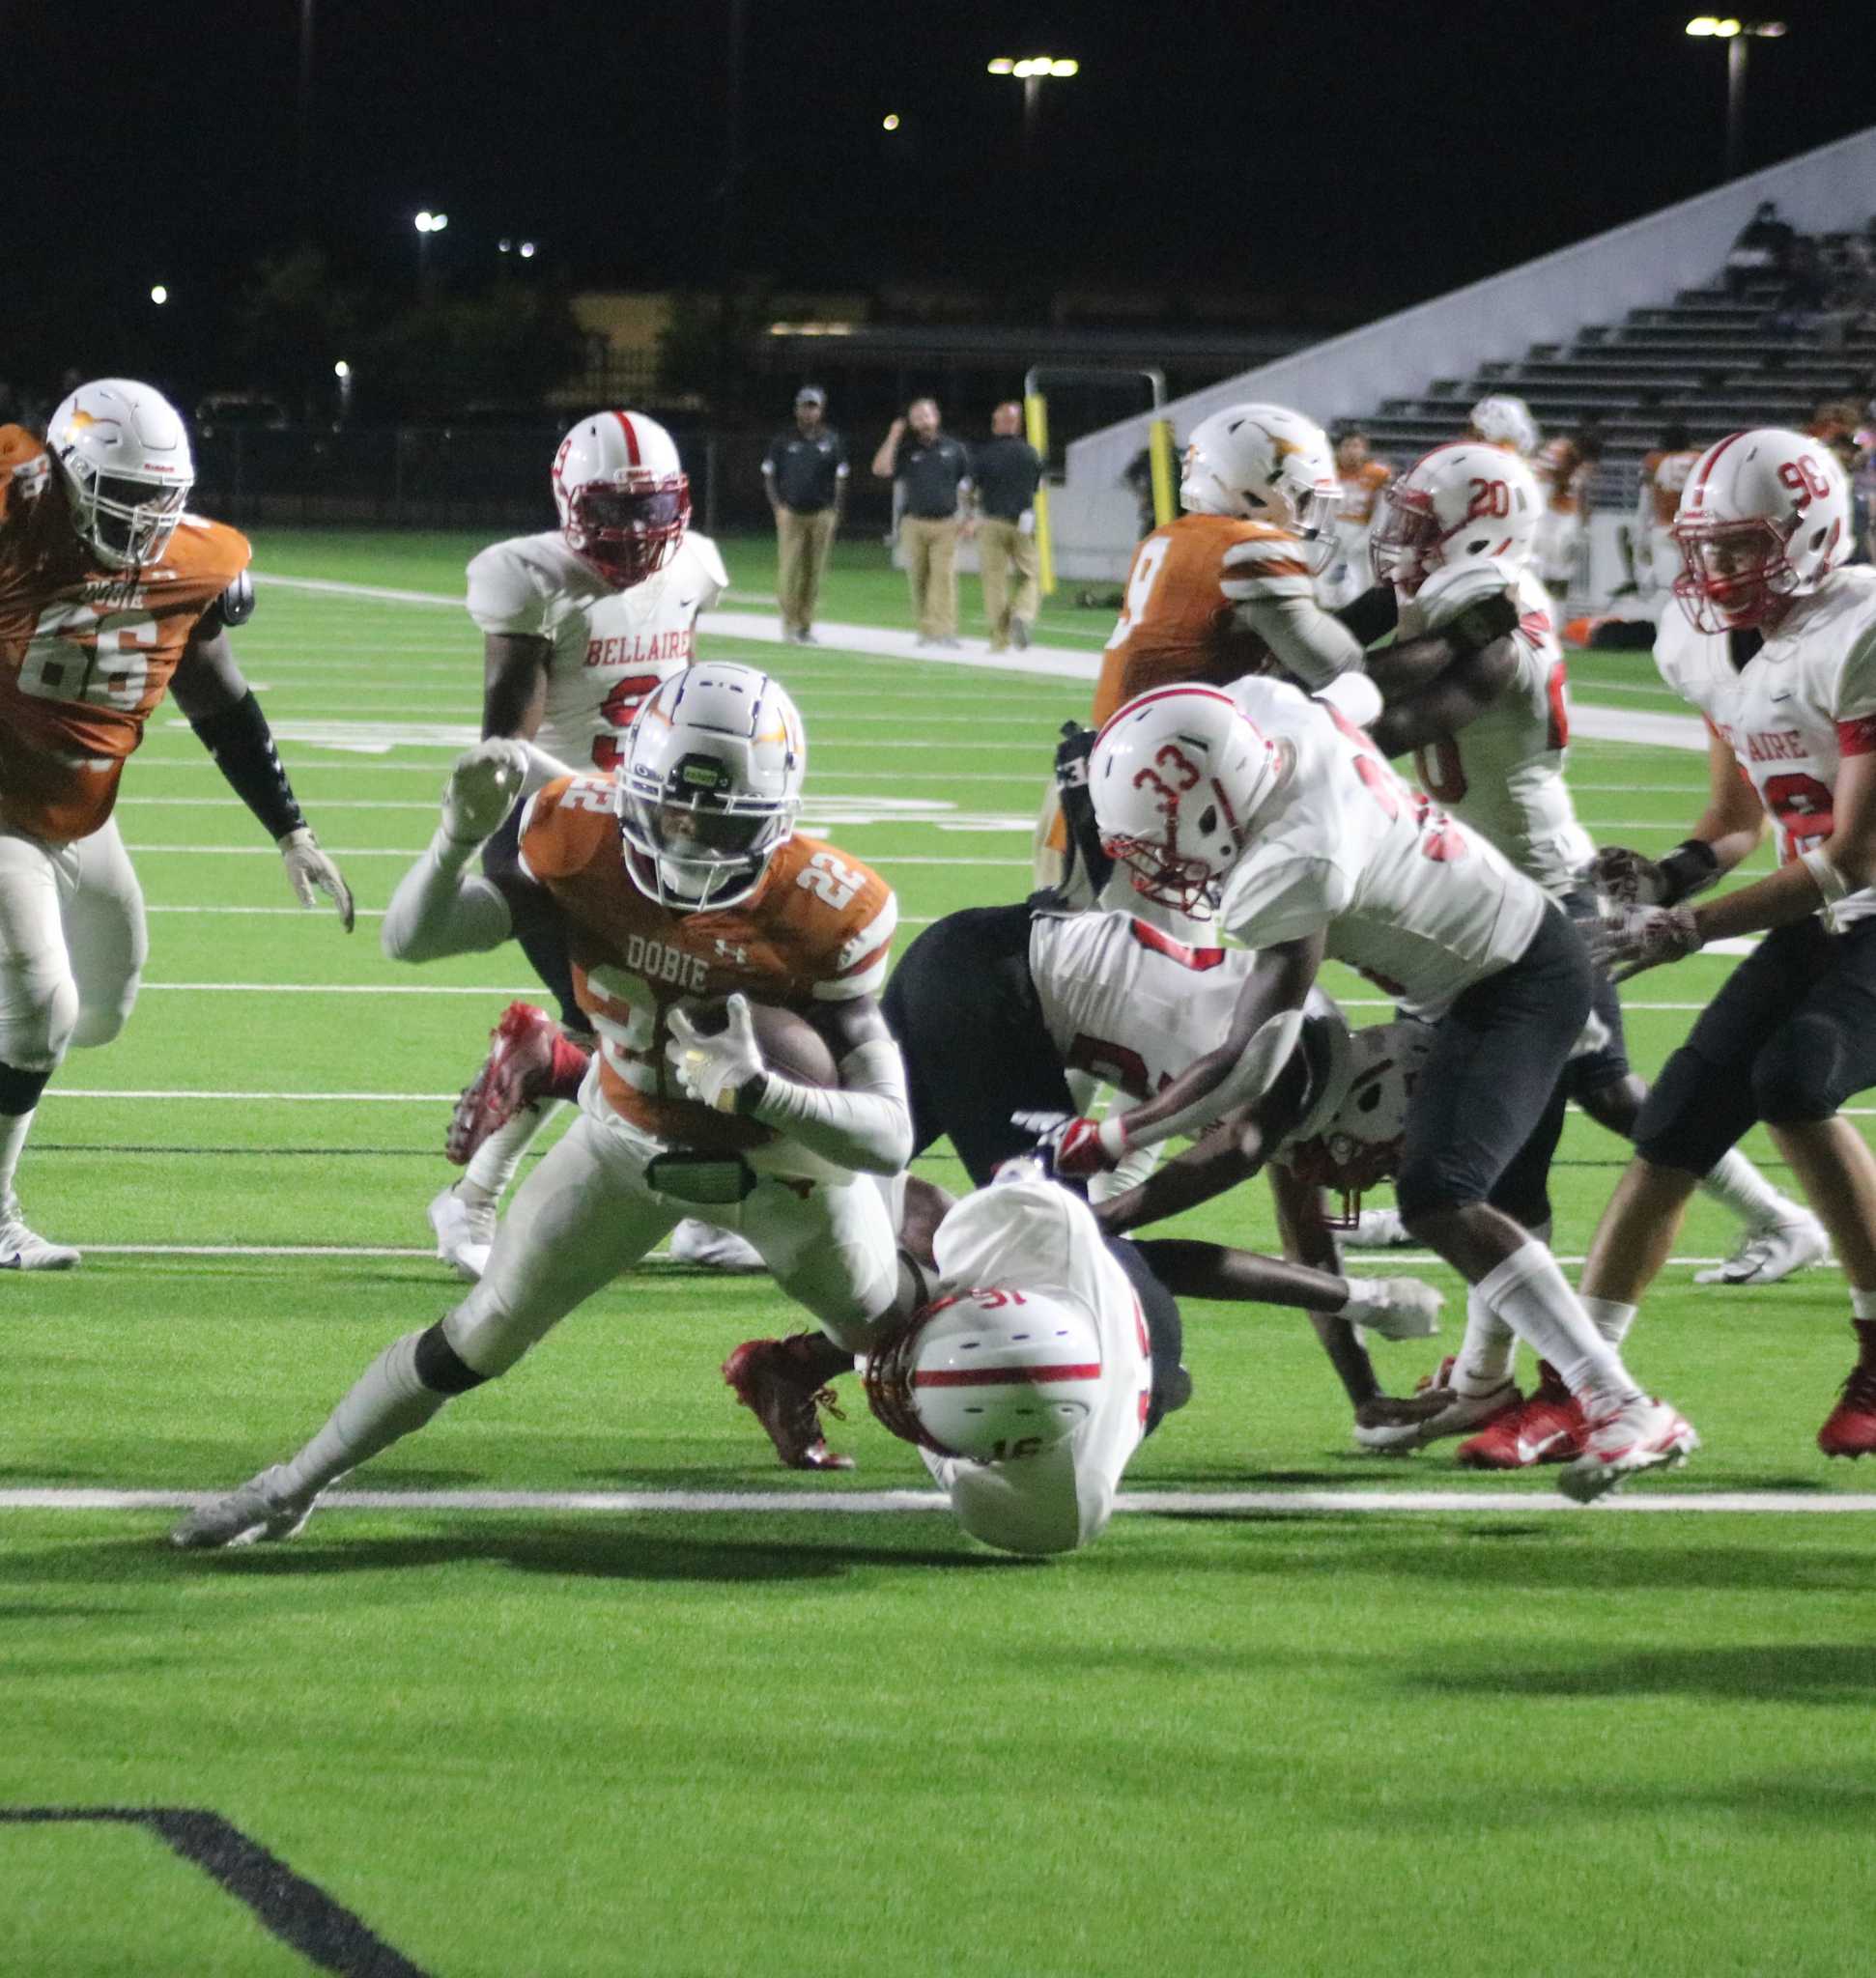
811	395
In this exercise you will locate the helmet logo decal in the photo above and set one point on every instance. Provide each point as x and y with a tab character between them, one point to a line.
1803	478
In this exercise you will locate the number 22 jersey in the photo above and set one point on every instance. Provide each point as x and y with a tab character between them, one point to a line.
1794	710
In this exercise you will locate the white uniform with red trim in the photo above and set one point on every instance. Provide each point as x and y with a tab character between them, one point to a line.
1031	1235
1657	554
610	648
1503	773
1420	905
1802	703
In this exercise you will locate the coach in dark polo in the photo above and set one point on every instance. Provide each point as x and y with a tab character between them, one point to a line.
933	471
805	473
1005	472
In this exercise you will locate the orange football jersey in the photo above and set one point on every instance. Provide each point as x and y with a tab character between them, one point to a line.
86	653
1663	477
1176	626
1361	489
817	930
1558	468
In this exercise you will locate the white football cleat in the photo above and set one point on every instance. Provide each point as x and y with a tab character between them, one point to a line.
1642	1434
260	1513
1767	1254
25	1250
1376	1230
698	1243
465	1233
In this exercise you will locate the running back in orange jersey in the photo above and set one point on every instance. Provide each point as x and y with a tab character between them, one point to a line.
86	653
1176	626
818	929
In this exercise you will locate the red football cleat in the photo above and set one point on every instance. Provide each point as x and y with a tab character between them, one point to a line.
1546	1428
530	1059
779	1381
1851	1428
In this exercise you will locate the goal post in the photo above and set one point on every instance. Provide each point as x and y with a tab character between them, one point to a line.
1036	424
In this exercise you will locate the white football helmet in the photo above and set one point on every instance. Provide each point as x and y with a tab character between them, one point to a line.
1506	421
710	785
1176	776
1764	517
124	455
991	1376
1266	463
1464	503
623	496
1361	1141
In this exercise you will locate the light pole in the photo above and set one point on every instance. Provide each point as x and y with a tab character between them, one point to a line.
426	224
1032	71
1737	36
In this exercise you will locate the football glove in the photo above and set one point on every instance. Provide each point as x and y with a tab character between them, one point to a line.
1396	1308
714	1069
310	873
1637	938
1632	880
1075	1147
482	789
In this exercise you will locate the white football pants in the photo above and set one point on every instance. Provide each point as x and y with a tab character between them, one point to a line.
72	944
585	1214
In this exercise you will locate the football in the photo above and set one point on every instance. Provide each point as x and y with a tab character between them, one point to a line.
790	1044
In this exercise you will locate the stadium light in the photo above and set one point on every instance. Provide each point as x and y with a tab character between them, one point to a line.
341	370
1032	71
888	123
1737	35
159	295
526	250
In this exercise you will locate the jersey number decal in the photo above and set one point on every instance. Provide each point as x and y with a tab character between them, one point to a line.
1140	586
629	1029
589	793
1803	806
1114	1064
1805	480
617	709
77	654
830	880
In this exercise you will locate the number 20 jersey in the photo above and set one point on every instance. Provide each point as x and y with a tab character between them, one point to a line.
86	653
817	930
1799	706
609	648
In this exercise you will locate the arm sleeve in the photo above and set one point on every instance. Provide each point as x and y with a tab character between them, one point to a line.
438	910
1308	641
242	745
503	596
864	1122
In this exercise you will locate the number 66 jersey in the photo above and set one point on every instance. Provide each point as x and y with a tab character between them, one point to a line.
817	930
1792	710
86	653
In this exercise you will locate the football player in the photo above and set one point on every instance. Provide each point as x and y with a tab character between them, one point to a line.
111	594
1563	467
1489	736
578	625
1283	819
1663	475
1362	481
681	881
1776	646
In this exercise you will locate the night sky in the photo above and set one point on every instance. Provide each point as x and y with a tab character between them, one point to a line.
1325	162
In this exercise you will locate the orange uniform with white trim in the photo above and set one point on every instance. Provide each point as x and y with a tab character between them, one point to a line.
1176	627
1361	489
818	929
86	653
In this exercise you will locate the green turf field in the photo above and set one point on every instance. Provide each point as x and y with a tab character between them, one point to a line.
785	1740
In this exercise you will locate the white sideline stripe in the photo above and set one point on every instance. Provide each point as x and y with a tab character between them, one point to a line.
1457	1502
284	1098
341	989
415	852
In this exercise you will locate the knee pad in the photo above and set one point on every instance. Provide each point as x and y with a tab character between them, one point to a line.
38	1012
102	1022
1801	1075
441	1367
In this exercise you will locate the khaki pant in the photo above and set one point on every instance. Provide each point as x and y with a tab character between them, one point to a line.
932	566
803	541
1001	547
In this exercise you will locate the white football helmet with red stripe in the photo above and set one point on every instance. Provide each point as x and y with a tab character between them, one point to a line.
623	496
124	456
1177	776
1466	503
1764	518
1506	422
991	1376
1264	462
1359	1144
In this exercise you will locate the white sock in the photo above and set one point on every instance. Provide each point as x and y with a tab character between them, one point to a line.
1482	1363
1532	1296
14	1129
1862	1304
387	1401
491	1166
1735	1182
1610	1317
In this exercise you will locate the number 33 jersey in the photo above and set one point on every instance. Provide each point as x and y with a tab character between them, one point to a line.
609	648
86	653
1792	713
818	929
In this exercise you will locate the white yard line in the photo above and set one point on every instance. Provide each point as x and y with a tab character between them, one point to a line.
167	1096
1458	1502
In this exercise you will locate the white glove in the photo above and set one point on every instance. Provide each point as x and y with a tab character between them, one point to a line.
1396	1308
714	1069
482	789
310	873
1636	938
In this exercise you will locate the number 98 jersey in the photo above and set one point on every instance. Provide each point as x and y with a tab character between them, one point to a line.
818	929
1791	714
86	653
